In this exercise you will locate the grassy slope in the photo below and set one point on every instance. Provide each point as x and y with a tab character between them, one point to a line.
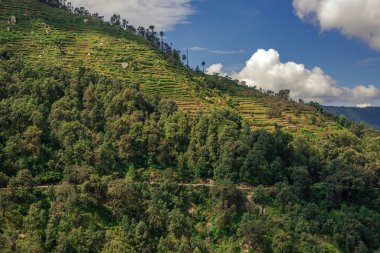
103	48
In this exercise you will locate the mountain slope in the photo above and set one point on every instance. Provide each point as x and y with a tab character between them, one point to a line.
124	159
92	161
368	115
43	34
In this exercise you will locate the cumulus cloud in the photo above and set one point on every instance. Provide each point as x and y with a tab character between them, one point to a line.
215	69
353	18
265	70
164	14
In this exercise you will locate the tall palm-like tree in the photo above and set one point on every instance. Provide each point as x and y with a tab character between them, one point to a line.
203	65
115	19
152	33
125	24
162	39
141	31
187	57
152	27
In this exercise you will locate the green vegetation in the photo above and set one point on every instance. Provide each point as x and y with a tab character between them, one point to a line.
90	132
95	157
48	35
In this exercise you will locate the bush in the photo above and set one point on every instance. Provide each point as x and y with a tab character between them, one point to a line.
4	179
23	179
5	55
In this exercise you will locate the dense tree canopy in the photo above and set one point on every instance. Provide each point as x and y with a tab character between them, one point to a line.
100	140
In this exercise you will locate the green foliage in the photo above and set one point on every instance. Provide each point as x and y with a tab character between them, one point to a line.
4	55
23	179
132	172
3	180
90	132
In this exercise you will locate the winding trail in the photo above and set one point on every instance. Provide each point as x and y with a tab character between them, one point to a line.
242	188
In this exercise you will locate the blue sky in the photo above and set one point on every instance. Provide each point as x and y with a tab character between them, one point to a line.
248	25
341	38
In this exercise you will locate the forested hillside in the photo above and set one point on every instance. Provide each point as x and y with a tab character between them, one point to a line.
42	34
94	160
368	115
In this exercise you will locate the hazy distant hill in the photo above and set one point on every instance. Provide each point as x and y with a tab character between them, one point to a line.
369	115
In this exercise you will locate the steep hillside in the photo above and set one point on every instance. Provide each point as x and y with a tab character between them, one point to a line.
43	34
92	160
368	115
92	164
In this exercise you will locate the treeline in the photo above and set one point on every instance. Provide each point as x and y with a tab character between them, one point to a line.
156	38
54	122
89	130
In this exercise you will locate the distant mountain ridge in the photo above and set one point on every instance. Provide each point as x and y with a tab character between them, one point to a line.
369	115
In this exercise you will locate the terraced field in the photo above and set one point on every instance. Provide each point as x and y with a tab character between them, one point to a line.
44	35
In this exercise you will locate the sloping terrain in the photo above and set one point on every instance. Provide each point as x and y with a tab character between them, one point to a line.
92	161
43	34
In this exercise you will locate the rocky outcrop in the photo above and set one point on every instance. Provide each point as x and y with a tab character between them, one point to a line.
12	20
124	65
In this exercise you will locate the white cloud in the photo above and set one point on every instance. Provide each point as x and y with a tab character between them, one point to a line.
164	14
215	69
197	49
227	51
364	105
265	69
368	62
353	18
